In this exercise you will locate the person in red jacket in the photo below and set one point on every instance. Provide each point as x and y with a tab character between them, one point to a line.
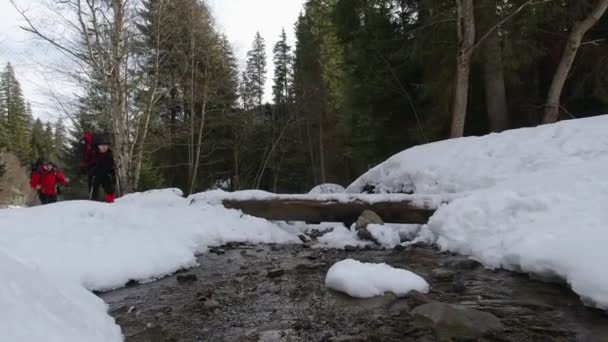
44	180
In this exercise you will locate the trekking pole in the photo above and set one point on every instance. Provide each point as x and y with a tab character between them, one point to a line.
92	187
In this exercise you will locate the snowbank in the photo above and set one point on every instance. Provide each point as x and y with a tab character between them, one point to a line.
531	200
37	308
363	280
141	237
95	246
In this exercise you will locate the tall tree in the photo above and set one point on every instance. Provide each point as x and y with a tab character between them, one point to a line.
493	69
283	72
256	70
16	116
465	28
578	31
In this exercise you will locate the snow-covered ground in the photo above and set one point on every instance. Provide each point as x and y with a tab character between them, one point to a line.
95	246
532	200
366	280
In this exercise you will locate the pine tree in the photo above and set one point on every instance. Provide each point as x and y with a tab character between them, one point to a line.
17	119
282	70
256	70
38	142
59	140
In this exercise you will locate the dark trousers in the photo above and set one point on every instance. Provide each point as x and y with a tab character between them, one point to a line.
104	181
46	199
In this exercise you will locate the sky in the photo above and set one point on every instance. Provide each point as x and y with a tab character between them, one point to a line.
238	19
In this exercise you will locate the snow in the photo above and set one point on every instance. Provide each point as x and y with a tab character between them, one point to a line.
530	200
96	246
339	238
328	188
215	197
34	307
386	236
366	280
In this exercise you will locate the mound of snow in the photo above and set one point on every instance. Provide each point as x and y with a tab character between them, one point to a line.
386	236
364	280
142	236
531	200
37	308
96	246
328	188
339	238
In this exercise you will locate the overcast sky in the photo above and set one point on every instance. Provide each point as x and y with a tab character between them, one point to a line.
239	19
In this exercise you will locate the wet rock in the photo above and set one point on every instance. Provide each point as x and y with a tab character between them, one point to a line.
303	238
350	248
455	322
275	273
302	325
443	273
367	217
186	278
131	283
259	250
314	255
217	251
399	248
274	248
468	264
417	298
364	234
458	285
316	233
211	304
399	307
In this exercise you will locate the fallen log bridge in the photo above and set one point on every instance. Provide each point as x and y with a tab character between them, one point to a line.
315	210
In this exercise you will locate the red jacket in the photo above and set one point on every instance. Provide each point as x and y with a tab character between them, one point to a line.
47	180
88	159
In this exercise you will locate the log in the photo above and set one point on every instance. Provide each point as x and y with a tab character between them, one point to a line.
316	211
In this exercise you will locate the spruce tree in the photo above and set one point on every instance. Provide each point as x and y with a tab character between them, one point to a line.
17	119
256	70
282	70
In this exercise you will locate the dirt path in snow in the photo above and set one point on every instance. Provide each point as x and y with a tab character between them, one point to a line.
277	293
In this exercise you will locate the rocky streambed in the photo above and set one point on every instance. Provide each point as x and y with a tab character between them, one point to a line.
277	293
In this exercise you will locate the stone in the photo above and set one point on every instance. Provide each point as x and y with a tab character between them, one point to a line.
350	248
458	285
131	283
303	238
468	264
186	278
217	251
211	304
366	218
443	273
417	298
275	273
399	307
400	248
456	322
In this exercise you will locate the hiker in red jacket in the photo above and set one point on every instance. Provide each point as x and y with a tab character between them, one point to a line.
44	180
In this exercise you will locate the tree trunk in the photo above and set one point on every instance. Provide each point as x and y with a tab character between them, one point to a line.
322	150
579	29
119	102
200	137
465	26
493	71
